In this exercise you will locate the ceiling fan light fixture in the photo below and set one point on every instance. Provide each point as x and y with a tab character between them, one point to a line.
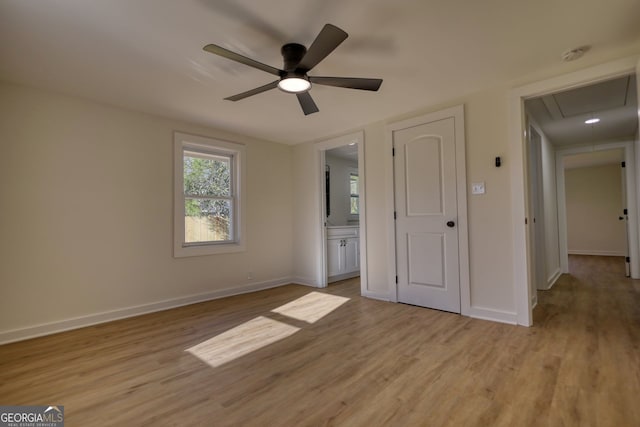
294	84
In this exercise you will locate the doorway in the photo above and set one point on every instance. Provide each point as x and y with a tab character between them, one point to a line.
523	256
593	186
341	176
342	212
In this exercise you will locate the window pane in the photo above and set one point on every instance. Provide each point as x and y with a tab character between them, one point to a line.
207	175
353	182
207	220
354	206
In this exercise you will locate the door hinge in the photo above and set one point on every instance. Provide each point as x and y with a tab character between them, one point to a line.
396	279
625	211
623	164
526	221
393	151
395	215
628	259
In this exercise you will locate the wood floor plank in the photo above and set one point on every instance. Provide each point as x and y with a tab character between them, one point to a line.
310	357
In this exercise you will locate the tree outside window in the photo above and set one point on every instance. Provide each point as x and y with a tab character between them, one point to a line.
354	190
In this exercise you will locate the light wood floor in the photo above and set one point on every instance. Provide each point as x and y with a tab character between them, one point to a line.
366	363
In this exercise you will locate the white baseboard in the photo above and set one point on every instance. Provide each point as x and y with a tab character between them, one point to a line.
534	301
109	316
344	276
594	252
553	279
493	315
306	281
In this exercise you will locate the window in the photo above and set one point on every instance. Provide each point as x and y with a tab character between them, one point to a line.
207	199
354	191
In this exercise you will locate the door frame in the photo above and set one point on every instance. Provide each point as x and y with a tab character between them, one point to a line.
320	148
629	189
517	138
457	113
536	210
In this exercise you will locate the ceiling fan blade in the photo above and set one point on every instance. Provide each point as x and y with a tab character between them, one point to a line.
329	38
217	50
252	92
348	82
307	104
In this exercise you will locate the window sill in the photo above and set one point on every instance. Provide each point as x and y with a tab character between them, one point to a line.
180	251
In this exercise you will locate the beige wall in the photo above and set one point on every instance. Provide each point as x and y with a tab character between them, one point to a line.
490	231
86	220
306	216
594	203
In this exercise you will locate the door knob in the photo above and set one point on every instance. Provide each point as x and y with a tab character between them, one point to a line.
451	224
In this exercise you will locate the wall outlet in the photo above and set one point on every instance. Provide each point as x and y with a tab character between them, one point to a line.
477	188
250	275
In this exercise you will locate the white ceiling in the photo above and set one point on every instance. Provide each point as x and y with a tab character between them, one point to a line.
147	55
562	115
346	152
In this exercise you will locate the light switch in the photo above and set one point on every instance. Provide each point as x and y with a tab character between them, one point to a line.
477	188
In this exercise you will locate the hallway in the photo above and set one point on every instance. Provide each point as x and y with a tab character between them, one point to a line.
591	321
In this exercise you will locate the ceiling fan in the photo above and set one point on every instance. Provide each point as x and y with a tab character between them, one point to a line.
298	61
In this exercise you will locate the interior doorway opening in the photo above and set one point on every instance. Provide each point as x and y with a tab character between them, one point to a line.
595	204
564	99
341	177
342	212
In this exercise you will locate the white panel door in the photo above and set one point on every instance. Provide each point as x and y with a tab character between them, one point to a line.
426	215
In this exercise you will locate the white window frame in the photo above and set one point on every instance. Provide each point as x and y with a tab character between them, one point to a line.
236	152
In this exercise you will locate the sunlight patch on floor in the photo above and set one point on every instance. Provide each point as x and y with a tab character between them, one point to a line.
311	307
243	339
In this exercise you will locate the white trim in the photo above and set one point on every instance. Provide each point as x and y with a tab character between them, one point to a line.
457	113
517	136
595	252
551	280
561	202
493	315
321	147
123	313
343	276
238	151
305	281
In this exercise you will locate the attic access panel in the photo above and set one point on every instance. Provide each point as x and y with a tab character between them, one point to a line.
598	97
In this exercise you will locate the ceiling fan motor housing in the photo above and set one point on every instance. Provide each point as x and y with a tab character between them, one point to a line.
292	53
